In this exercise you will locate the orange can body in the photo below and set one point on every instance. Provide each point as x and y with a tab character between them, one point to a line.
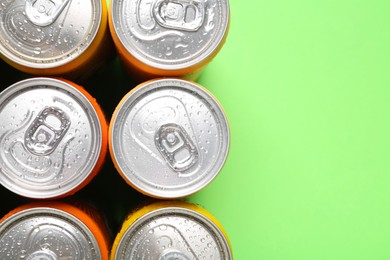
171	230
54	139
70	39
162	39
54	230
169	138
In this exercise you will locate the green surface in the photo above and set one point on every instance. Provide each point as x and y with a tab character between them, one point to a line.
306	87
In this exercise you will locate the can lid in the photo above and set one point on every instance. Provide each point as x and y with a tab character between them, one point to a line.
50	138
171	35
173	233
47	34
46	234
169	138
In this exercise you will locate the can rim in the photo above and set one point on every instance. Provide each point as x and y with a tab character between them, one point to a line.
201	219
201	58
96	128
10	221
50	63
121	112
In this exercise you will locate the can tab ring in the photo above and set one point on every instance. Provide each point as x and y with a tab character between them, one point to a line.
44	254
177	148
185	15
46	131
170	255
44	12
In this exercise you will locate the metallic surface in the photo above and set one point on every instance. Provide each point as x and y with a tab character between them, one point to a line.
50	138
170	34
46	34
173	233
46	234
169	138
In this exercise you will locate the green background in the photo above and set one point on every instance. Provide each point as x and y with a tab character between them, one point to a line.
305	85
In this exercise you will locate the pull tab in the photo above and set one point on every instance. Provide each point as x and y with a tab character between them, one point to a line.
176	147
43	255
44	12
173	255
46	131
186	15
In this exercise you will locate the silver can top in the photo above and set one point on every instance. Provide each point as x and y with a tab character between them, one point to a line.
170	34
173	233
46	234
47	34
50	138
169	138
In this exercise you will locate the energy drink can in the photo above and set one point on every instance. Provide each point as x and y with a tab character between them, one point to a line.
169	138
170	38
51	231
61	37
53	138
171	230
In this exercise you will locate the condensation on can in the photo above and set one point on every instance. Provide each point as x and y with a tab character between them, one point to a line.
168	38
58	38
169	138
54	230
171	230
53	138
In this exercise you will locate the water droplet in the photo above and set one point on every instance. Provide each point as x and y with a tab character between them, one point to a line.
163	227
37	50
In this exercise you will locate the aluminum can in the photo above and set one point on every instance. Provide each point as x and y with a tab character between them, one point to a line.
169	138
170	38
61	37
171	230
51	231
53	138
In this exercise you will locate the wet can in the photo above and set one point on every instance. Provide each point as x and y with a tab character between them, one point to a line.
170	38
171	230
51	231
169	138
62	37
53	138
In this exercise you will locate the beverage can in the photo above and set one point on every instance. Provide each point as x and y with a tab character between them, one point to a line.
52	231
169	138
170	38
53	138
171	230
62	37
